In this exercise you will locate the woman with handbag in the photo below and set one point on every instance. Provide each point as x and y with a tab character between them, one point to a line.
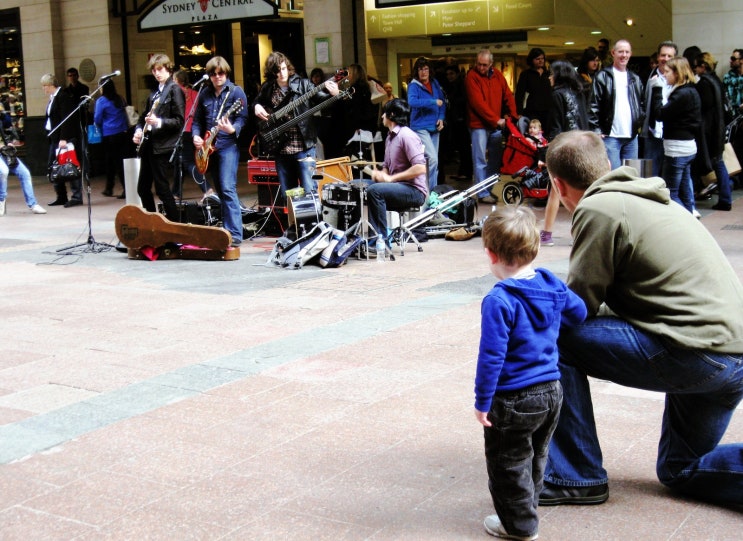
110	118
711	94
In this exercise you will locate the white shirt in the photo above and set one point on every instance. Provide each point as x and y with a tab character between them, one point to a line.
622	124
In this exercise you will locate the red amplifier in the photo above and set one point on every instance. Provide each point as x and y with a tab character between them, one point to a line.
262	172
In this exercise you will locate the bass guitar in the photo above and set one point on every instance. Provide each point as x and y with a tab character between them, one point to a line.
201	156
147	127
280	115
271	141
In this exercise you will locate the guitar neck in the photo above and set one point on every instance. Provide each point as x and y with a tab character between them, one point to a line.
273	134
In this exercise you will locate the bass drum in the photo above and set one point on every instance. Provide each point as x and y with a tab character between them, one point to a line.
305	212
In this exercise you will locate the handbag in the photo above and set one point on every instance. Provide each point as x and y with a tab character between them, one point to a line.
731	160
132	117
9	153
66	167
94	134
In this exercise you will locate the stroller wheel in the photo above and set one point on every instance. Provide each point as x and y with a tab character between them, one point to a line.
512	194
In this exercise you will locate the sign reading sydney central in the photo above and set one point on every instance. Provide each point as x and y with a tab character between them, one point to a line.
169	13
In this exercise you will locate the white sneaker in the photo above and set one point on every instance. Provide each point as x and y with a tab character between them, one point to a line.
2	208
38	209
494	527
696	214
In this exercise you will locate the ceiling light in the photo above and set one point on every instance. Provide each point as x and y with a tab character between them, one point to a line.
595	32
629	22
543	28
569	43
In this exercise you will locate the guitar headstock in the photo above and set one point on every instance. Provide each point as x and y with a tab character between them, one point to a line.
341	77
235	108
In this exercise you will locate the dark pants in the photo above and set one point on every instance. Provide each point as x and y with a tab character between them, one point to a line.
380	195
114	147
155	169
516	452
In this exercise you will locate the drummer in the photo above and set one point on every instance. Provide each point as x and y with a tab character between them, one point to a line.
402	181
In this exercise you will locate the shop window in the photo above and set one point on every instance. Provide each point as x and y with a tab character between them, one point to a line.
195	45
12	94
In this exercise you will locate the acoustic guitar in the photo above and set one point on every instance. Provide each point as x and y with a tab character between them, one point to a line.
201	156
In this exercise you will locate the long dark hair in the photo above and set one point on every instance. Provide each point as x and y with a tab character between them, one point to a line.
565	76
589	53
109	91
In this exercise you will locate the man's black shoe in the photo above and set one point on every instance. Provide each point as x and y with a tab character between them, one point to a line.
721	206
58	202
72	203
560	495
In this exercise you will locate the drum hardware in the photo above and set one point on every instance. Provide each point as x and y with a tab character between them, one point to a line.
212	205
304	213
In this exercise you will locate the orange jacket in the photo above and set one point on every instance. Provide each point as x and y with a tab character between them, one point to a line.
488	99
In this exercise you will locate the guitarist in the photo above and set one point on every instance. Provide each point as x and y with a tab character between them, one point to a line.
160	124
217	98
283	86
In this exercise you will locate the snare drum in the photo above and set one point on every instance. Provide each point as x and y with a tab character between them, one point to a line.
340	195
304	213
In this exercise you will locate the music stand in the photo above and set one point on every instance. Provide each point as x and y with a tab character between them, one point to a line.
91	245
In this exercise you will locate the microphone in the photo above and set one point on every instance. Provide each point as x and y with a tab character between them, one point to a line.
105	78
204	78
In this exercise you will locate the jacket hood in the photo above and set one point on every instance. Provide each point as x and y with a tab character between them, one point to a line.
541	305
626	180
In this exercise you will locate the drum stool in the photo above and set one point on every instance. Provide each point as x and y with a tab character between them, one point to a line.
401	235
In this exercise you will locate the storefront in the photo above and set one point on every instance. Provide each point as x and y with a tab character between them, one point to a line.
12	91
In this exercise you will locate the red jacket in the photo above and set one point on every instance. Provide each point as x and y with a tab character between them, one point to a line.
488	99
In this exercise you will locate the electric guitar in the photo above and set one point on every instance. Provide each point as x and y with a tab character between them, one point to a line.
147	127
280	115
201	156
272	140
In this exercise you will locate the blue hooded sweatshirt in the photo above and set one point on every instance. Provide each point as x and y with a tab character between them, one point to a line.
521	320
424	113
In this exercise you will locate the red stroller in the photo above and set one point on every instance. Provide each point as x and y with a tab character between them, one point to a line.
520	160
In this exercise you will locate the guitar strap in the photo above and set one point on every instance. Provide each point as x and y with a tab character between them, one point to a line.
221	107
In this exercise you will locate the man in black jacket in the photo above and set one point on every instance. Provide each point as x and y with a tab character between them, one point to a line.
156	135
59	107
295	151
617	109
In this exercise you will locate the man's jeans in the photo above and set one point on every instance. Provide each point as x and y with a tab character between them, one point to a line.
620	149
516	451
653	150
702	391
487	154
224	163
24	176
431	147
293	167
723	181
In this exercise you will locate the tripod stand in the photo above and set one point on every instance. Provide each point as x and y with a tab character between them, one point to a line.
90	245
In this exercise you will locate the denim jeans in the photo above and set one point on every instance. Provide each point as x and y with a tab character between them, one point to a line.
677	174
395	194
431	147
619	149
653	150
702	391
723	181
24	176
487	155
516	452
224	163
289	168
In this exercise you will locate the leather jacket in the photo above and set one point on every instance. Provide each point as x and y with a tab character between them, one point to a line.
298	87
601	115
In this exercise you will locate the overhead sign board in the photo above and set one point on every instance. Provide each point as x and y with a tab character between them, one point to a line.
459	17
170	13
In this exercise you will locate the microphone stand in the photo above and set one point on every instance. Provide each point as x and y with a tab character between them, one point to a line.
177	156
90	245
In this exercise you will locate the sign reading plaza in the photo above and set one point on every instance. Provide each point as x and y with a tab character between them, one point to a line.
459	17
169	13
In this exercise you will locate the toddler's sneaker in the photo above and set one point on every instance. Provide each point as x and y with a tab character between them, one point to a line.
545	238
494	527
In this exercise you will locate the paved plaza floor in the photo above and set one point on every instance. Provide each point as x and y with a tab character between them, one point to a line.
205	400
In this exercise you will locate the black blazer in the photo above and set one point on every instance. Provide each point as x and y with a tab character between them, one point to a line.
62	105
171	110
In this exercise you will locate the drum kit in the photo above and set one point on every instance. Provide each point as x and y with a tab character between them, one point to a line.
339	200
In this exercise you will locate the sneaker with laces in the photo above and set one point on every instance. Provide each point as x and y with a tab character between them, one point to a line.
495	528
545	238
2	208
38	209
